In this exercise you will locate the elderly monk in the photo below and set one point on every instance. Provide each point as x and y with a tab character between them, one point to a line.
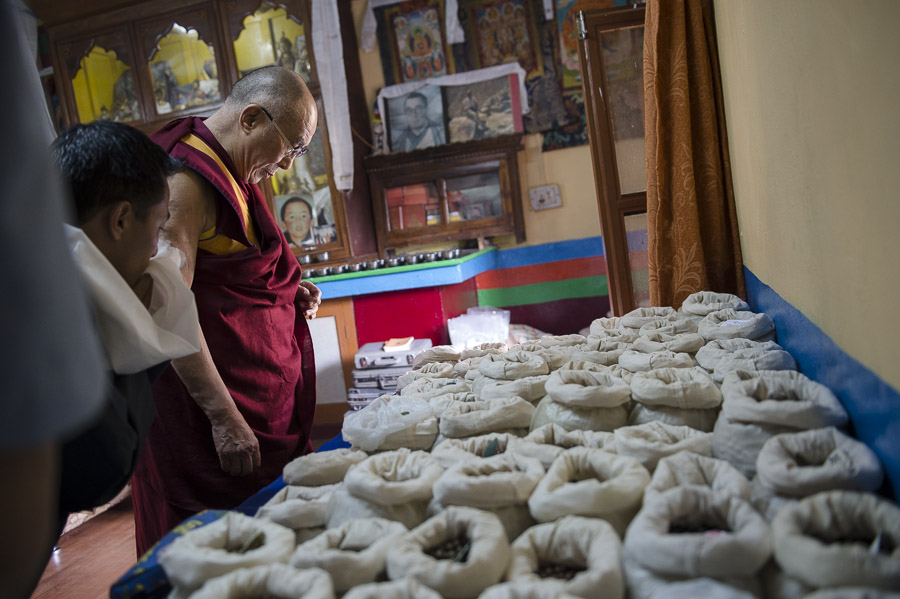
230	417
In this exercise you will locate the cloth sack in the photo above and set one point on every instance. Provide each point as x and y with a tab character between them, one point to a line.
352	553
852	593
440	403
497	481
394	477
800	464
678	326
636	361
607	354
547	442
730	324
642	583
654	440
515	519
483	350
467	369
571	418
641	316
656	341
405	588
345	507
782	398
451	451
586	389
702	303
437	353
299	508
277	581
604	324
687	388
428	387
391	420
627	336
715	350
434	370
589	544
701	420
215	549
691	532
514	364
592	366
562	340
321	467
558	355
686	468
467	419
527	590
488	553
754	360
840	538
529	388
607	486
739	443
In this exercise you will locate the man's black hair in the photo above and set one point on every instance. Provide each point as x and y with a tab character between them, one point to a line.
294	200
412	95
106	162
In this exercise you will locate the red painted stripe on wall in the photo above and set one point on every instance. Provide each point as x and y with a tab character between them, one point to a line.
576	268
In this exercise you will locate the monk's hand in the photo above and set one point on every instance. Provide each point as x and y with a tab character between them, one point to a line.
236	445
308	299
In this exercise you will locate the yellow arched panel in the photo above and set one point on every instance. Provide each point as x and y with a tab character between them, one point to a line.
270	36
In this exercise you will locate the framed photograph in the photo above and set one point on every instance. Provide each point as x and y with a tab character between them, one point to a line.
412	42
415	120
483	109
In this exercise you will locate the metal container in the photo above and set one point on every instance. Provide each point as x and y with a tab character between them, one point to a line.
412	259
356	267
430	257
322	257
305	258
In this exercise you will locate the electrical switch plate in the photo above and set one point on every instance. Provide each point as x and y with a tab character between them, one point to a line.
545	196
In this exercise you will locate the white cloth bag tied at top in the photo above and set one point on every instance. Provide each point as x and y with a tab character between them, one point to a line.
529	388
586	389
605	486
679	326
322	467
521	589
807	462
405	588
275	581
437	353
467	419
484	565
135	337
730	324
589	544
602	352
702	303
352	553
686	468
753	360
840	538
451	451
434	370
547	442
656	341
497	481
739	443
214	550
428	387
782	398
641	316
635	361
571	418
701	420
686	388
723	535
394	477
299	508
514	364
716	350
654	440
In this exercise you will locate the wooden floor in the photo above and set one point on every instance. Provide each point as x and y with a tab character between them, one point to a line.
91	557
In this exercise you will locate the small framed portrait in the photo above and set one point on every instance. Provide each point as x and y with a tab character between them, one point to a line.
483	109
296	216
416	120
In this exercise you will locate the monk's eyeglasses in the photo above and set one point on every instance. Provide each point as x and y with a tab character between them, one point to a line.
296	151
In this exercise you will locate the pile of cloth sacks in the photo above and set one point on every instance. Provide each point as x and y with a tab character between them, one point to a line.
666	454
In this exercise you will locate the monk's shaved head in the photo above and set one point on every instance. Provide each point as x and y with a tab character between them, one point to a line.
277	89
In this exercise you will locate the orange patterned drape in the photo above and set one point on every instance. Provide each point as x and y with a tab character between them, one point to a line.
691	221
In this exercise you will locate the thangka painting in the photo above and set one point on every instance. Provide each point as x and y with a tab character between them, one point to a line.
566	11
483	109
575	132
412	40
504	32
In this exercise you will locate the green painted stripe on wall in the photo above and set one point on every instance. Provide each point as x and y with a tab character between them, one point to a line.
544	292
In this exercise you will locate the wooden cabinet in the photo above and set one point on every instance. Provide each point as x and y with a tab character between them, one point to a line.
457	191
146	63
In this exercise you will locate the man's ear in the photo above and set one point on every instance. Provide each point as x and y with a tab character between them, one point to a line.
250	116
118	219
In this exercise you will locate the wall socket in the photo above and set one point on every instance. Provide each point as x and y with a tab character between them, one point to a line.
545	196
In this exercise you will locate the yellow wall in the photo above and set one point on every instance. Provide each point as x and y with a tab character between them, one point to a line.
570	168
812	89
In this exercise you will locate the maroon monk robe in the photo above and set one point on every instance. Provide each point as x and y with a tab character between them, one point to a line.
260	344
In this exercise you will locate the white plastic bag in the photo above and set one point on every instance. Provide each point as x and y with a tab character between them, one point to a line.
369	428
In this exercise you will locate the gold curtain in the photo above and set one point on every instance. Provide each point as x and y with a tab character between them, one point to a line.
692	226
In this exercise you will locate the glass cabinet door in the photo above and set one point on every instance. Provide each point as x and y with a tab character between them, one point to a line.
474	197
272	36
181	63
102	78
